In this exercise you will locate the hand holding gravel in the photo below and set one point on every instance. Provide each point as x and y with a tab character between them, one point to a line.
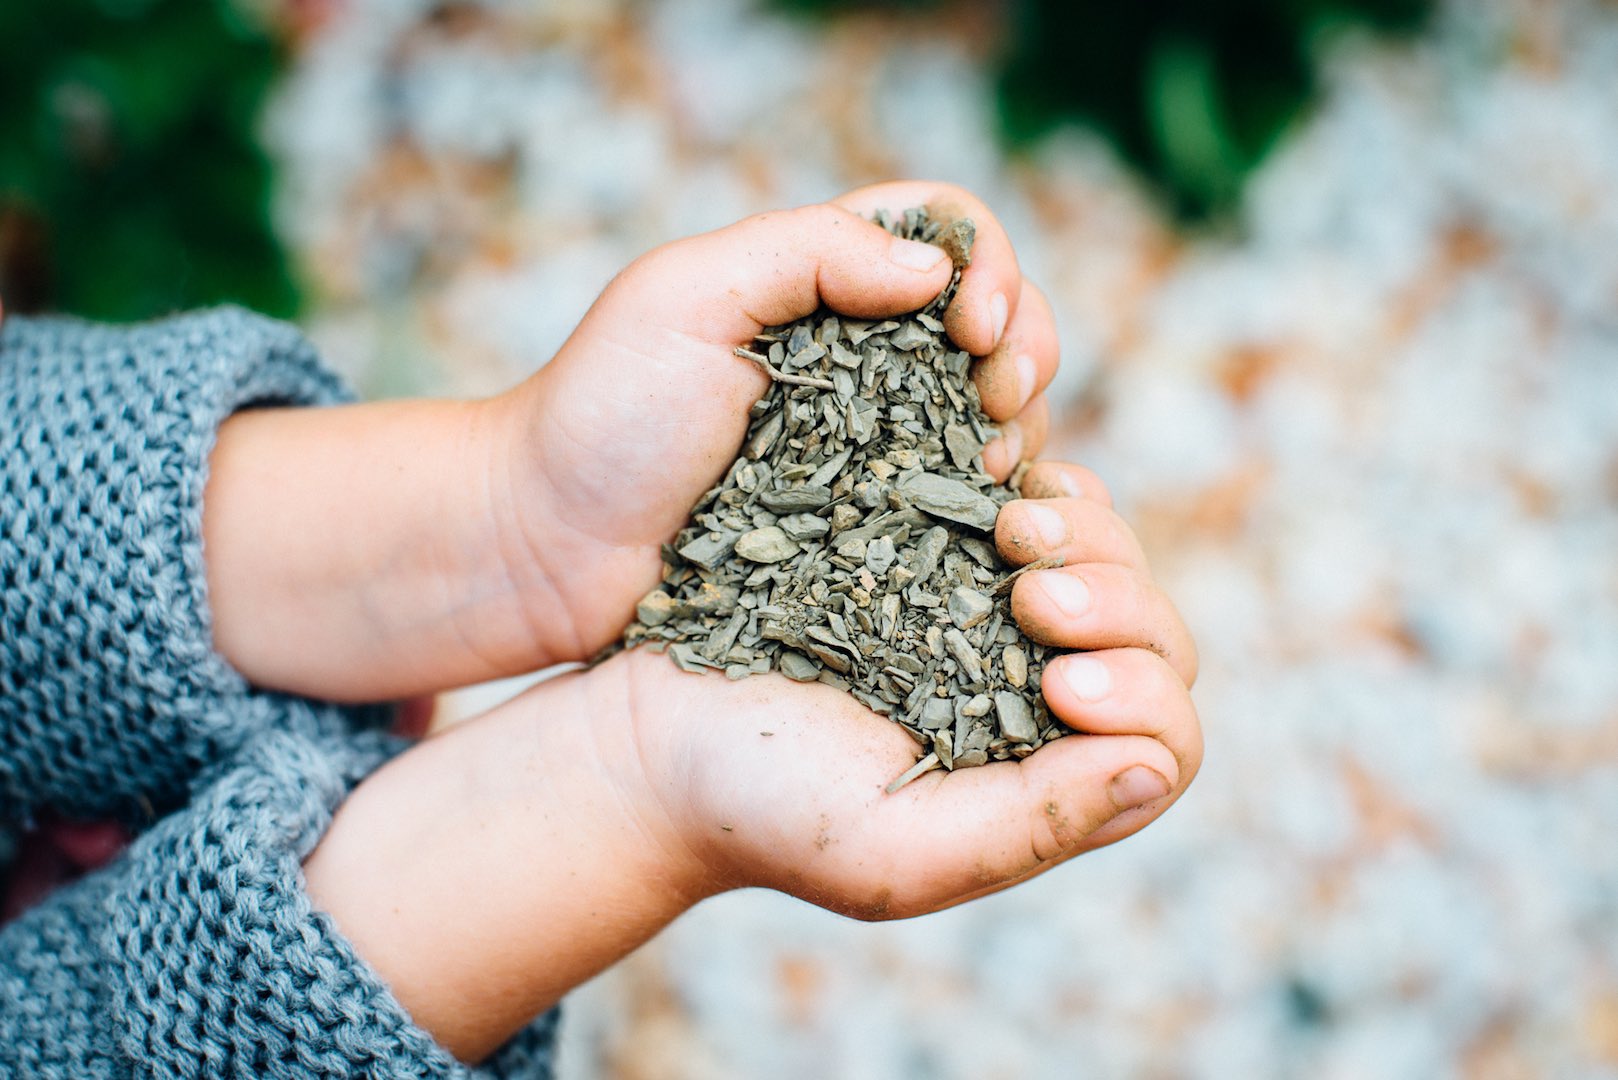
490	538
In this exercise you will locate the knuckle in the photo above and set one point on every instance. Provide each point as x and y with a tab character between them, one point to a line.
1055	832
817	216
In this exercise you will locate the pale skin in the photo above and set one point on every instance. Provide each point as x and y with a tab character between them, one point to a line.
380	551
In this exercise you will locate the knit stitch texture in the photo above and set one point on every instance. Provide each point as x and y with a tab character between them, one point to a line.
197	952
111	696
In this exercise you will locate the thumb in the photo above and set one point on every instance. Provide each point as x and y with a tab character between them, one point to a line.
725	286
1003	823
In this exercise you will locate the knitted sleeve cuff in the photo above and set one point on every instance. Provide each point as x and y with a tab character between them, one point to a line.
219	966
111	696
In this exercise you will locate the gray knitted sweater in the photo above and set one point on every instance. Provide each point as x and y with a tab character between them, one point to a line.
195	953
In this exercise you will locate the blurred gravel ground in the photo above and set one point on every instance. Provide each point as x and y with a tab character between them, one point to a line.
1371	443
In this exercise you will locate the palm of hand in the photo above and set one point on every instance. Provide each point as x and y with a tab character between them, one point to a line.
638	431
768	782
778	784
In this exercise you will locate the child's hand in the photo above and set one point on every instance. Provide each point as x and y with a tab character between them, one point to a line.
774	783
645	406
489	870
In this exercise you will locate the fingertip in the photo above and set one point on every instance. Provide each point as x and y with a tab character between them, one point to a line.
1063	480
1125	691
1136	786
998	313
1045	603
976	318
999	381
1083	785
916	256
873	274
1026	530
1027	377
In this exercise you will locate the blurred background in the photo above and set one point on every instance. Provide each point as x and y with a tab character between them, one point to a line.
1338	289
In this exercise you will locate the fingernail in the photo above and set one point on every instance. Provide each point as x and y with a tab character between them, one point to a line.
1070	595
997	316
1088	678
1068	486
1051	526
1052	484
1027	374
915	255
1136	786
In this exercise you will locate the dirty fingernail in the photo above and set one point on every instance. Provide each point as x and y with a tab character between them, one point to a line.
997	316
914	255
1089	679
1068	485
1070	595
1136	786
1050	525
1027	375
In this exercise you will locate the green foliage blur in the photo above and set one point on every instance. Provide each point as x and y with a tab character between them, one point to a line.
1193	92
131	180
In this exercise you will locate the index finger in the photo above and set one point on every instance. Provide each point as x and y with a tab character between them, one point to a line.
990	286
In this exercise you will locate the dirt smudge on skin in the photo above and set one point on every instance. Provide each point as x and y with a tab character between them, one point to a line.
823	836
1063	833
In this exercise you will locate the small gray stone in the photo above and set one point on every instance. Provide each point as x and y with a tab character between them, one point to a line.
710	549
844	517
982	552
766	545
804	526
976	739
843	356
793	500
937	713
928	551
962	444
759	443
909	337
798	667
831	470
879	555
688	659
951	500
978	705
708	599
968	607
870	494
722	640
862	419
655	608
1016	719
828	656
965	655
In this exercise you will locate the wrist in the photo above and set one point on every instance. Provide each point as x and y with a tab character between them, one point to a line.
490	869
353	554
